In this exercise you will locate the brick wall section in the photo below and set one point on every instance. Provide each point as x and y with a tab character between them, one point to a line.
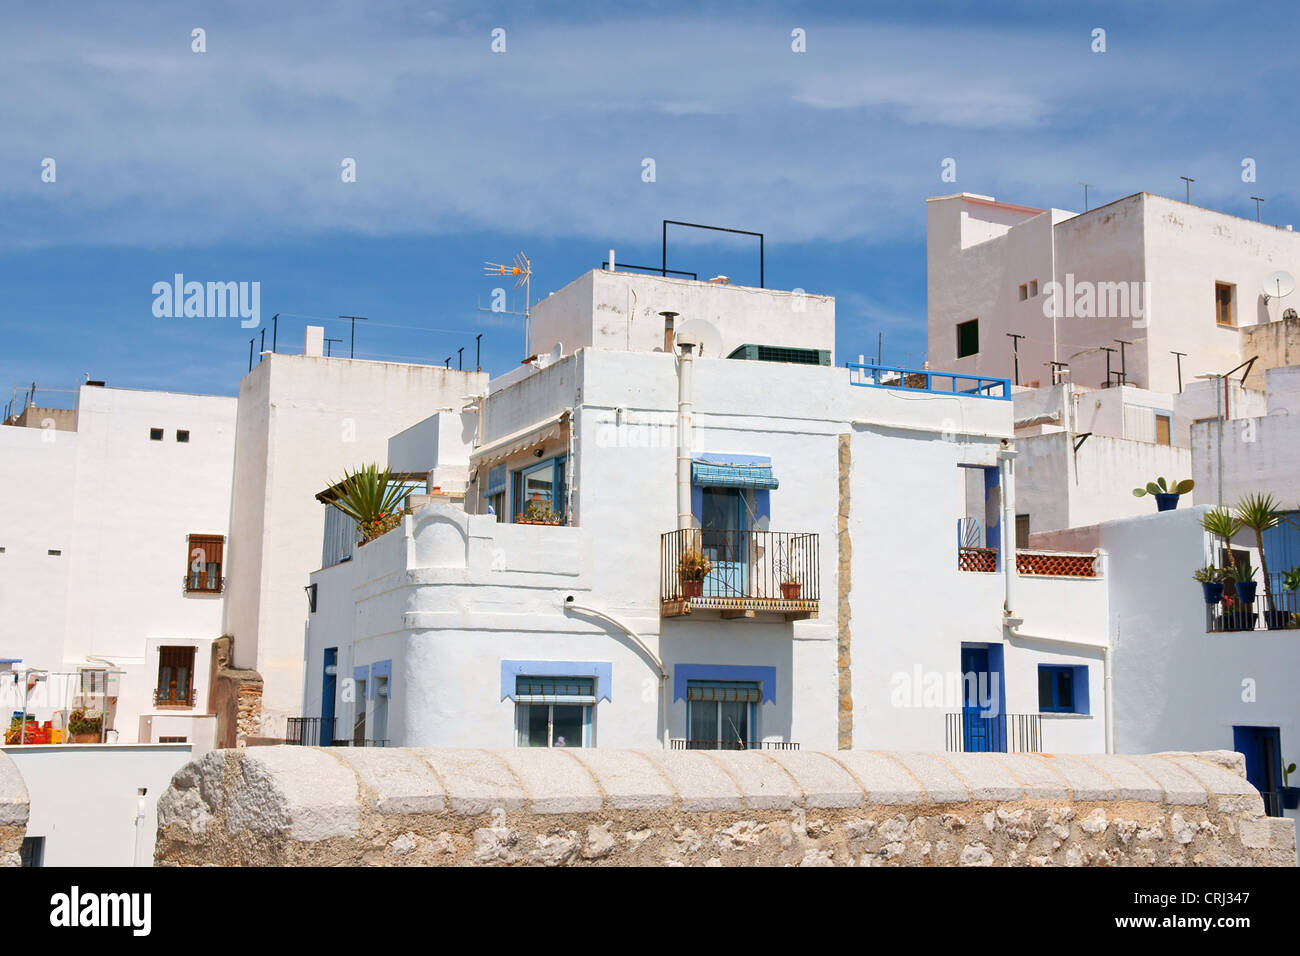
379	807
13	811
844	609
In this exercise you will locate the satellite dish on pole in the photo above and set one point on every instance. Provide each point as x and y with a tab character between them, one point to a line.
1278	285
703	335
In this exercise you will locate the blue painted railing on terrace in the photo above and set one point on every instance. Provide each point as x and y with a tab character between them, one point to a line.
925	380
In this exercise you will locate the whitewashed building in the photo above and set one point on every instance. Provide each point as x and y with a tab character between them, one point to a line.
468	627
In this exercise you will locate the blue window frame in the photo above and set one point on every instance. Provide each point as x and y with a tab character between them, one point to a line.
722	714
1063	689
542	483
553	711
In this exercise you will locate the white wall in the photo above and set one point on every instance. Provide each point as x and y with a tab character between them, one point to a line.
84	799
302	421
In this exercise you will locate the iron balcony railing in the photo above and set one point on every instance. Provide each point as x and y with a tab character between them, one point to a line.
925	380
1232	614
971	732
744	566
307	732
164	699
203	584
680	744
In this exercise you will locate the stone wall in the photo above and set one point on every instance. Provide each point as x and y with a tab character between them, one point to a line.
374	806
13	811
236	697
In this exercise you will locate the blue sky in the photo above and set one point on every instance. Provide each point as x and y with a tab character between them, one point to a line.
225	165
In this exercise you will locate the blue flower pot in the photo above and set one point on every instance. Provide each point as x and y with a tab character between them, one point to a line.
1213	591
1166	502
1290	798
1246	591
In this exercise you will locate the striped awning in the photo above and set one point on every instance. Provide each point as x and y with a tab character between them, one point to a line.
502	448
712	475
745	692
555	690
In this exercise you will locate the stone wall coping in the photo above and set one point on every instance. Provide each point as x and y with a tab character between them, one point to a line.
322	791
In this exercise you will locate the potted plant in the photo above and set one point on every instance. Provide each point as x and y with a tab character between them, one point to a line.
371	498
791	585
1166	493
1244	581
692	568
1284	617
85	728
1290	794
539	512
1238	616
1211	579
1260	513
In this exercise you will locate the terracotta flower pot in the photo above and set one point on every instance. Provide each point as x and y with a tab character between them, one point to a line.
692	589
790	590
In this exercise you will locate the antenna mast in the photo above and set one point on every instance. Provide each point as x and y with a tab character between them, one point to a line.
523	271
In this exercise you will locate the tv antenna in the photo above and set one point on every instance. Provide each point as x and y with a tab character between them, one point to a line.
522	270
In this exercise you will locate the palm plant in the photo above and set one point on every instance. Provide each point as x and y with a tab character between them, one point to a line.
1260	513
1221	523
370	497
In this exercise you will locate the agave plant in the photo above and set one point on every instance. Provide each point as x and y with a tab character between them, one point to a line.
1162	487
370	497
1260	513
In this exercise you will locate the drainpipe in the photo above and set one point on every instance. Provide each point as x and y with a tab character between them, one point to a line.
1006	455
570	605
685	400
139	824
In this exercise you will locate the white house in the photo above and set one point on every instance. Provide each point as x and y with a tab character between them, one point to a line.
881	497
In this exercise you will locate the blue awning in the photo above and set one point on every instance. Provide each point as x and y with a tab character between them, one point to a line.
496	482
732	475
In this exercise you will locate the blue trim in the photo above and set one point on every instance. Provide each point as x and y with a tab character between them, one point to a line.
380	669
602	671
361	673
764	676
893	377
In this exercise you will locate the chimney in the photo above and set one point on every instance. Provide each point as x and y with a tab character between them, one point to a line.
314	341
668	330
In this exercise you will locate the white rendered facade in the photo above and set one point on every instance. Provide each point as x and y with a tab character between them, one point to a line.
453	606
93	574
1108	263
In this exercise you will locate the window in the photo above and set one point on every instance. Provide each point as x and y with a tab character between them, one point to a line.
155	434
175	677
1164	429
554	711
1022	531
1063	690
1024	291
173	740
32	852
1033	288
182	436
722	714
311	598
542	486
1224	293
379	728
204	555
968	338
54	552
359	710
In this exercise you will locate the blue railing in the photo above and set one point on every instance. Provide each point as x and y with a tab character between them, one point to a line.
924	380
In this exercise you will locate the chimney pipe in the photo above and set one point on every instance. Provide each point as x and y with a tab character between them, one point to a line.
669	318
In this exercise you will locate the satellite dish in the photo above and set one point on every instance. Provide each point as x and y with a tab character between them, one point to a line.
702	334
1278	285
557	353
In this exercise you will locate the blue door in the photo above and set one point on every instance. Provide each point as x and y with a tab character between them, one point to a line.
1262	748
1282	548
983	723
327	697
725	534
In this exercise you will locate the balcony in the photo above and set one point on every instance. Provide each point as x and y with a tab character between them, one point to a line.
307	732
999	733
1231	614
750	573
680	744
924	380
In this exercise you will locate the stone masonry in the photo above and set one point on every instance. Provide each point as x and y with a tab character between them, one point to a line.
379	807
13	811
